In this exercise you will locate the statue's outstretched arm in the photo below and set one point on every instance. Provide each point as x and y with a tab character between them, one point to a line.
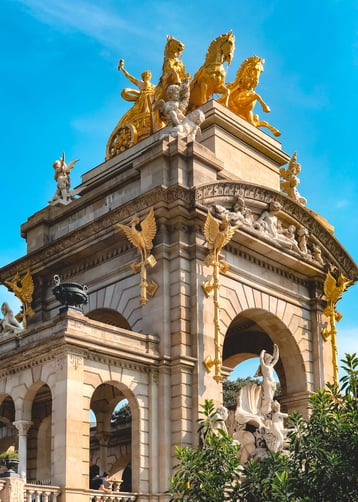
128	75
275	355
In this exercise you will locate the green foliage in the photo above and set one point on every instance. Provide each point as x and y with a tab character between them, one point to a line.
321	465
209	472
122	416
268	481
9	455
323	457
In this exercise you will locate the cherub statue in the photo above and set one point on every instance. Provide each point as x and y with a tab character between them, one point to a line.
290	180
174	107
9	324
189	127
277	427
62	177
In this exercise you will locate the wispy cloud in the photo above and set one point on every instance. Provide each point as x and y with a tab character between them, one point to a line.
90	19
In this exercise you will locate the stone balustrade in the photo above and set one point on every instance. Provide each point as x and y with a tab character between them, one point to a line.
41	493
113	497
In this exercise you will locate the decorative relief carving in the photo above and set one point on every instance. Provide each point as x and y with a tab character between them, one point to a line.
75	360
288	228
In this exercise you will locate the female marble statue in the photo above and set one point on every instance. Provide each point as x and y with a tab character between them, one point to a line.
9	323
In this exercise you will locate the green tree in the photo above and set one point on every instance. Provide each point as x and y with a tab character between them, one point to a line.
320	466
210	472
323	454
121	416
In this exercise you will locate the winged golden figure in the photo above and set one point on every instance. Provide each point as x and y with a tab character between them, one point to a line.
333	289
23	288
141	234
217	235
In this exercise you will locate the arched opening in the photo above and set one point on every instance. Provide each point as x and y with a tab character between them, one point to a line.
111	434
39	461
109	316
256	329
8	433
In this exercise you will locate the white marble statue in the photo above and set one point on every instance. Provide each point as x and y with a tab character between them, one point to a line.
290	180
9	323
276	427
221	415
266	370
259	422
189	127
238	214
268	221
63	194
173	108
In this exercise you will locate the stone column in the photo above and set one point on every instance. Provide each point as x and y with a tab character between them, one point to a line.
23	427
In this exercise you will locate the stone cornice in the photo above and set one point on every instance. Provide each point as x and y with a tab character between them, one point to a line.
72	333
97	230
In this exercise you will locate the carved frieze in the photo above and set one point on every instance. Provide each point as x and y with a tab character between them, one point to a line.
276	219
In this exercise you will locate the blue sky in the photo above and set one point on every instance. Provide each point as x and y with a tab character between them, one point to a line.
60	90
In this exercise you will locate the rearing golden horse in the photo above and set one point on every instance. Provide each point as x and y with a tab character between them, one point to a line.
243	96
173	69
210	78
173	72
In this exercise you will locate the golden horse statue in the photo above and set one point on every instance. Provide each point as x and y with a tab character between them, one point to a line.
210	78
243	96
173	72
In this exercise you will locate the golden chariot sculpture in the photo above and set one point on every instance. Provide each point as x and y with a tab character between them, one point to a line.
147	114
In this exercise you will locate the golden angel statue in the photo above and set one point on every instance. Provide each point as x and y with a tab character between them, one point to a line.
141	235
23	288
217	236
334	286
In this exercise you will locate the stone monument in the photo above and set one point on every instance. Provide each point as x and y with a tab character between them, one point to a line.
158	334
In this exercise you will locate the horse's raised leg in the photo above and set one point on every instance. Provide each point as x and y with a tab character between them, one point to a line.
264	105
225	91
263	123
203	92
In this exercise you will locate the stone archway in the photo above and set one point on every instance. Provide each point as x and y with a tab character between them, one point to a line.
109	316
255	329
38	408
8	433
111	442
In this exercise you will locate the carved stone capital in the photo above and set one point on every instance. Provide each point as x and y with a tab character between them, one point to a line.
22	426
